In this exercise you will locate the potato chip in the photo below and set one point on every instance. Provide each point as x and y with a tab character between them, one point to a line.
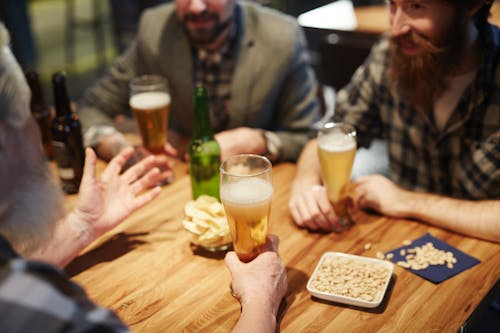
205	219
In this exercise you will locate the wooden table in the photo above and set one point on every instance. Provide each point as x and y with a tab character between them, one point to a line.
146	271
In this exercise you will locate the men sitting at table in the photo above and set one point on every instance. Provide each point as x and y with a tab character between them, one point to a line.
35	296
431	89
253	61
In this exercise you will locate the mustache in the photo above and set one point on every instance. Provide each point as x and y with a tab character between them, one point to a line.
417	40
204	15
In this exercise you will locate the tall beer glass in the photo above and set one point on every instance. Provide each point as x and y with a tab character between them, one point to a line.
150	102
246	190
336	151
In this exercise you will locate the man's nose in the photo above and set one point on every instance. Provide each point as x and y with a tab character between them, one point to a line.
197	6
400	23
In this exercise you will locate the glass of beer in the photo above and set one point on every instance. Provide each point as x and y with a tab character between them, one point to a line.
246	190
336	151
150	102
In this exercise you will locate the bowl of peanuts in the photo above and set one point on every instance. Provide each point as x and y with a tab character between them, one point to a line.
350	279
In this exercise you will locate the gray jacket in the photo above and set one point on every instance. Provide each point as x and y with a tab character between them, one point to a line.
273	86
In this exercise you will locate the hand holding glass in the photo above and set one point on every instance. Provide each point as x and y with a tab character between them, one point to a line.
150	103
336	151
246	190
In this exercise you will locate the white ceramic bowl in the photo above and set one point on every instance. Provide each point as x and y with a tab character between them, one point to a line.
334	279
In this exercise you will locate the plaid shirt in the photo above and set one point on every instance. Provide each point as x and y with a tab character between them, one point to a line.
215	71
463	159
35	297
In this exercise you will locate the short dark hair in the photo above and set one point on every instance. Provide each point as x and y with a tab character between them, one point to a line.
481	17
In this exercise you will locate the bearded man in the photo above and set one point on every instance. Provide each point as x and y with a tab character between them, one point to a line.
253	61
431	89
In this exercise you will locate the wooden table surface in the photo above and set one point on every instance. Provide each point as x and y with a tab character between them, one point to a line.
146	271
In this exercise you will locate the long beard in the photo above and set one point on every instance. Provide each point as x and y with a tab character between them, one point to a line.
422	79
29	214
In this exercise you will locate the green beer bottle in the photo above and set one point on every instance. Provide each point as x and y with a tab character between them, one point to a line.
204	151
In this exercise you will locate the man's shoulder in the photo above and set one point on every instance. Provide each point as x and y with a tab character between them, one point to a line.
267	21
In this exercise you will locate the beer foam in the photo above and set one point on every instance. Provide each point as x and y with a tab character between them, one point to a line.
246	191
336	142
149	100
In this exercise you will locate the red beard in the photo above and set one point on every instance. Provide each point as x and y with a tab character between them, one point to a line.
421	79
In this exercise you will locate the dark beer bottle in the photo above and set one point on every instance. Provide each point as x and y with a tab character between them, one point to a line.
204	151
40	111
67	140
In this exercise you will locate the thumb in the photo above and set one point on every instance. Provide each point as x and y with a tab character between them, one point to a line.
272	243
89	167
232	261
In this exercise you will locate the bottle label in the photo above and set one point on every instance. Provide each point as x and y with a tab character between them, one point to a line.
63	159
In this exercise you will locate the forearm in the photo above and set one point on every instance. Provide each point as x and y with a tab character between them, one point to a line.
479	219
71	236
308	168
256	317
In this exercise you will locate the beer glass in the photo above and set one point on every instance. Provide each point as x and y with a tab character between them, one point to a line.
336	151
246	190
150	102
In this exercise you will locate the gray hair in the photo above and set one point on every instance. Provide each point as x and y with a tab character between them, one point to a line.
14	91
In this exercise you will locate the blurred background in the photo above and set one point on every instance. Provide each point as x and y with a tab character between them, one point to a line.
83	37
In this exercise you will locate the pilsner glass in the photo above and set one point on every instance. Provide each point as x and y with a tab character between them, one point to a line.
246	190
150	102
336	151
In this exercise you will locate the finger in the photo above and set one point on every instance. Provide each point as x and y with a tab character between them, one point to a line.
232	261
170	150
306	215
296	217
148	180
136	171
114	167
272	243
316	215
145	198
89	167
327	210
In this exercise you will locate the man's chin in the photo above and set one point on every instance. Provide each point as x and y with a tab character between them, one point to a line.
201	40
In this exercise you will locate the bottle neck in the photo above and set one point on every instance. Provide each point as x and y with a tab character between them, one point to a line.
202	125
61	99
37	101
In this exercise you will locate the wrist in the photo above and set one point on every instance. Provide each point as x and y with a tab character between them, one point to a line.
272	145
260	312
81	227
258	303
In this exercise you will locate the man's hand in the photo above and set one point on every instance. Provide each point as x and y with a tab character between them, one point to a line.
106	201
380	194
310	207
261	282
241	140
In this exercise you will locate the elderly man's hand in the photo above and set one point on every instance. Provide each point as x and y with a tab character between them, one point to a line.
107	200
241	140
262	281
310	207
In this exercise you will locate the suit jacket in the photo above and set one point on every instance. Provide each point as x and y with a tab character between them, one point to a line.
273	86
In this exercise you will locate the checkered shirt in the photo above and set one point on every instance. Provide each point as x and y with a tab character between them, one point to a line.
463	159
35	297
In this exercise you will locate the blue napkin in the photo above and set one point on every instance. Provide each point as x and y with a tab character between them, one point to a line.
438	273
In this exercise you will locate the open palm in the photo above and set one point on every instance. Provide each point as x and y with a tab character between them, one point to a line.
107	200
